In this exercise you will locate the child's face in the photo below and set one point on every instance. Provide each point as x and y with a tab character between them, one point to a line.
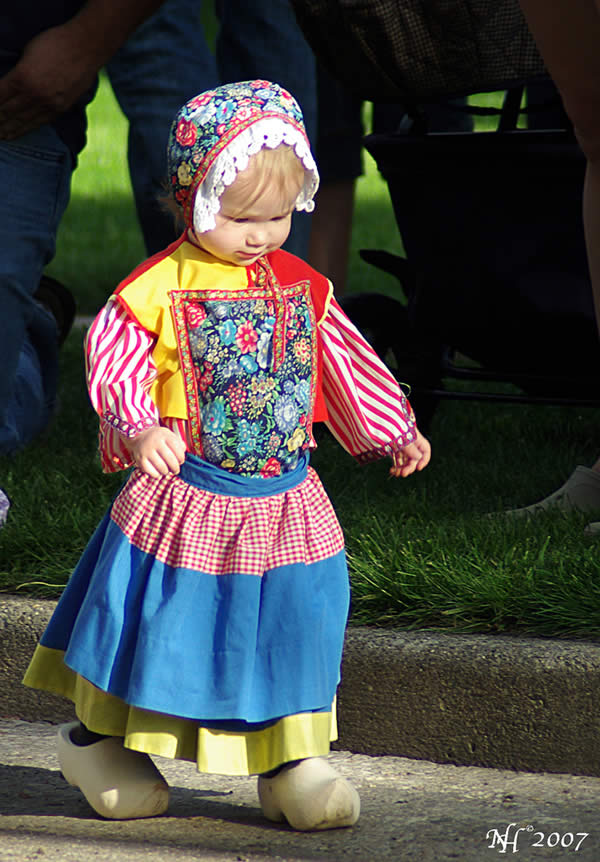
243	233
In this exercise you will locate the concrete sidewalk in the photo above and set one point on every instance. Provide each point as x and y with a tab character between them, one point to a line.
492	701
412	811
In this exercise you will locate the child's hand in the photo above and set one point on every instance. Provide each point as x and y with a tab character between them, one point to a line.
413	457
157	451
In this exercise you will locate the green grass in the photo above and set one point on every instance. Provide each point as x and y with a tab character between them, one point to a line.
421	551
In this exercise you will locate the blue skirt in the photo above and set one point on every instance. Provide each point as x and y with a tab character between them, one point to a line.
209	596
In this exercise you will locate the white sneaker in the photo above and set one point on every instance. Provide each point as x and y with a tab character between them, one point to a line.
4	507
119	783
310	795
581	492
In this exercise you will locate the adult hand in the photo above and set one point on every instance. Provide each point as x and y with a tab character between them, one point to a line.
53	72
157	451
60	64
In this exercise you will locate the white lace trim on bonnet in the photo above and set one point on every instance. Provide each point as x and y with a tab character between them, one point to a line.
270	132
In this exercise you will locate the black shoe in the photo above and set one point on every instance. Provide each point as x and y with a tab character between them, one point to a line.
59	301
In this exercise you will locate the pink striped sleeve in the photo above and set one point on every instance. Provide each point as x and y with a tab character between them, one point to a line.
119	371
368	412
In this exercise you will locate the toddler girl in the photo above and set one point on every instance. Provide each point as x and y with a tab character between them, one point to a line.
206	617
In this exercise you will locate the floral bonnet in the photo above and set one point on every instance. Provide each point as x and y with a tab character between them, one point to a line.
213	136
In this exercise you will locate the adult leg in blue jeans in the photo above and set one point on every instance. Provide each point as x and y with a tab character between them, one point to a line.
167	61
261	39
35	175
164	64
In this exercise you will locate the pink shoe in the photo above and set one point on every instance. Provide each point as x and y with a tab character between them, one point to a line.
310	795
119	783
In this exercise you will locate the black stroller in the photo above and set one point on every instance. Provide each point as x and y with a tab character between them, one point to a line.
495	272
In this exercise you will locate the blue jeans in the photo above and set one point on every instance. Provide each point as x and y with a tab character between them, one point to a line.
167	61
35	175
261	39
164	64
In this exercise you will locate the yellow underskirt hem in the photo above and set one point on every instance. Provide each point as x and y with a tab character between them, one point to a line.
293	737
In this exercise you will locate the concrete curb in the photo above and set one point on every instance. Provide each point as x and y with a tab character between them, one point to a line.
477	700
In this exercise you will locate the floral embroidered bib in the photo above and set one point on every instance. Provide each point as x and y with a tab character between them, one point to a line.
249	362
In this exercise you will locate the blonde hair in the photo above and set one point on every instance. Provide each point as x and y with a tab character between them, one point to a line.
279	168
